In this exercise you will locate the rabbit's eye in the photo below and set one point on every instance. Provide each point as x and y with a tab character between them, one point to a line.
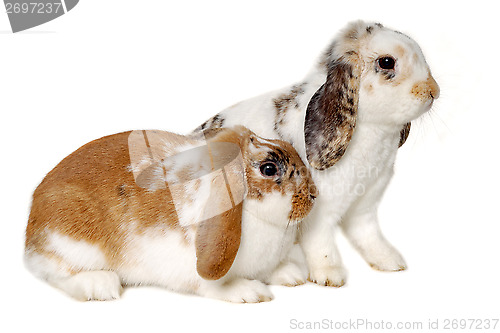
386	63
269	169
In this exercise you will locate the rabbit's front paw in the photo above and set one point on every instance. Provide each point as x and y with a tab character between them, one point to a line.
92	285
241	291
387	260
330	276
288	274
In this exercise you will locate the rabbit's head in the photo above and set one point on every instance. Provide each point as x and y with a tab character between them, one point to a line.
277	180
278	190
373	74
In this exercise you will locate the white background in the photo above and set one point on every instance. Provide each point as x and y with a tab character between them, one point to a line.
109	66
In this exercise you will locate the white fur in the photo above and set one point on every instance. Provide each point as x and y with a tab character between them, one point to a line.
198	190
44	267
91	285
266	240
67	255
351	190
237	290
266	237
161	257
81	254
292	270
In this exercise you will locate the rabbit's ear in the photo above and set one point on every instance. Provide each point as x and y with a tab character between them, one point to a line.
403	135
218	235
217	242
331	113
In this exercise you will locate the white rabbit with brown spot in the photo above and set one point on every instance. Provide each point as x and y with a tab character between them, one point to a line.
347	119
214	216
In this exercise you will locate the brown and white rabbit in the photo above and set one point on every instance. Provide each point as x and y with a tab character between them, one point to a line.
213	217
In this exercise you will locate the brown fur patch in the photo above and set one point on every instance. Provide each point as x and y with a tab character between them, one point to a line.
186	174
302	200
400	51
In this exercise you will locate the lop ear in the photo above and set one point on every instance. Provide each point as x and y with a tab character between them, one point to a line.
218	235
217	242
331	113
403	135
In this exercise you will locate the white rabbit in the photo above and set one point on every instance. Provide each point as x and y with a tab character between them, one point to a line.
210	216
347	118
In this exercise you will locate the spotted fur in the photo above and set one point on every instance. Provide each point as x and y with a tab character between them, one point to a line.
216	121
285	102
331	114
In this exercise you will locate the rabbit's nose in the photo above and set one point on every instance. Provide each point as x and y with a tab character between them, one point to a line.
313	192
425	90
434	90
